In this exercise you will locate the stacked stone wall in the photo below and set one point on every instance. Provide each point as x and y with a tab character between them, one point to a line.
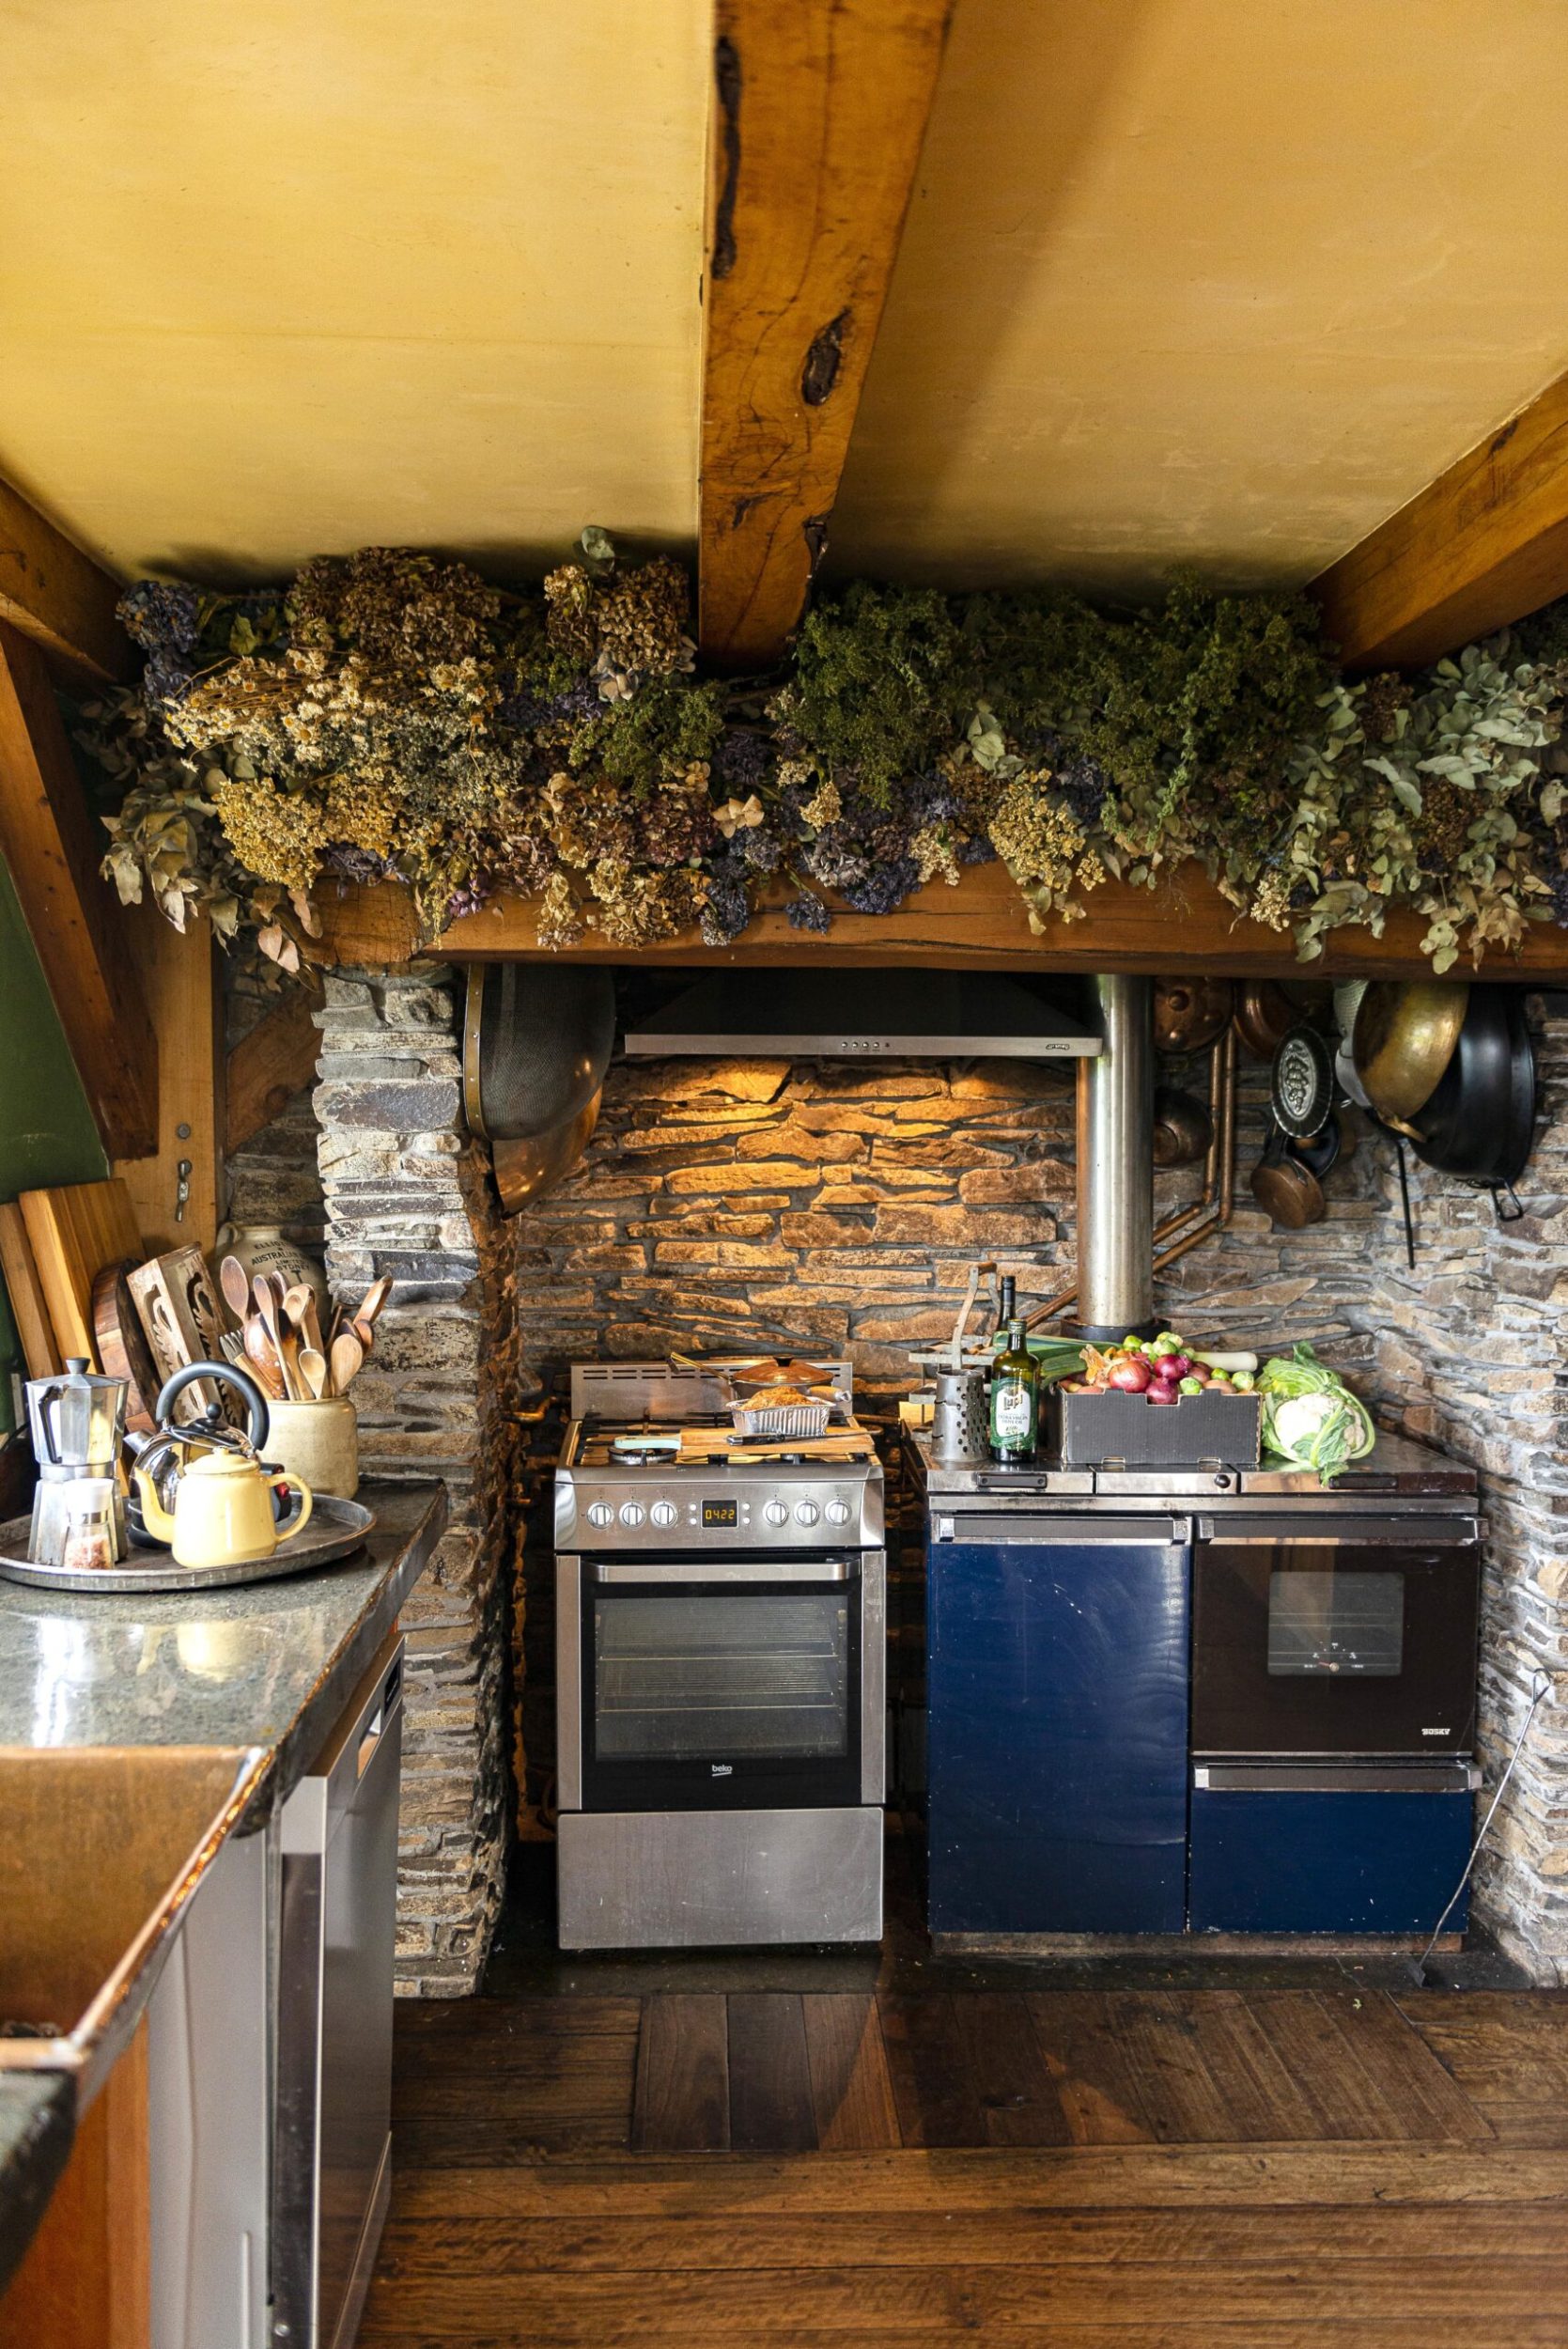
407	1192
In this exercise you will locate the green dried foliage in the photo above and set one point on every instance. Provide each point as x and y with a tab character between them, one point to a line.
396	715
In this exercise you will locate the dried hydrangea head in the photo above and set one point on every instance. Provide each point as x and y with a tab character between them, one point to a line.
278	834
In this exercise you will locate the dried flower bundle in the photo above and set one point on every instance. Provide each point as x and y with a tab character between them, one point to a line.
394	715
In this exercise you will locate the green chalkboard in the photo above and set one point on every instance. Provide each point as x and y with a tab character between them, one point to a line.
47	1134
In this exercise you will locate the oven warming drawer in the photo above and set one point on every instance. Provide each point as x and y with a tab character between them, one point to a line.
695	1879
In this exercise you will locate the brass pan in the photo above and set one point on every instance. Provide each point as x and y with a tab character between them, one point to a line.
1404	1036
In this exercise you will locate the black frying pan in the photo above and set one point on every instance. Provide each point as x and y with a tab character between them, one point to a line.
1480	1122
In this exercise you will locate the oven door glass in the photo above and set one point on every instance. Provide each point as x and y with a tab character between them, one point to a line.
1359	1648
702	1694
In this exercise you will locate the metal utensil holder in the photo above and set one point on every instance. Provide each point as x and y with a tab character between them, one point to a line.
958	1418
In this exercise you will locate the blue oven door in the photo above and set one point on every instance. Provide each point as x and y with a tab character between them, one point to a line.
1057	1673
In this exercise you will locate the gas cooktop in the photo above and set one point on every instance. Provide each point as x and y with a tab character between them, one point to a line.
624	1484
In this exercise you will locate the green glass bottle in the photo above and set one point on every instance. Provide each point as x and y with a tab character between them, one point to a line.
1015	1402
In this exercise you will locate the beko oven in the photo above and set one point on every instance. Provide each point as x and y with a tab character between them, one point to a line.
719	1682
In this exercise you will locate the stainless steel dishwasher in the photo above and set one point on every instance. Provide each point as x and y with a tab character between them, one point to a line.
332	2170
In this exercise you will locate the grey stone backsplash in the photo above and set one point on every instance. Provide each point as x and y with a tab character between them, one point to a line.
752	1205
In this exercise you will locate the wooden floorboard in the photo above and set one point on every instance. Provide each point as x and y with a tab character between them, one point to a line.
682	2104
851	2092
771	2091
1196	2169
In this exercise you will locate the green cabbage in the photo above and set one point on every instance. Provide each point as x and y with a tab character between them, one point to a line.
1309	1416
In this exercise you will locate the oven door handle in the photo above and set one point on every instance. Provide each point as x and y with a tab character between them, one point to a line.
672	1575
1261	1532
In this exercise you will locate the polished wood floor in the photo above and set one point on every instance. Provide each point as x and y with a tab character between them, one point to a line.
1297	2167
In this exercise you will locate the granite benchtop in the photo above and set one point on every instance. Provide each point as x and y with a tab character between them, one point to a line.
266	1664
268	1667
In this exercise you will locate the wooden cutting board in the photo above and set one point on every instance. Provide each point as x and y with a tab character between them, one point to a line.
707	1443
74	1231
29	1306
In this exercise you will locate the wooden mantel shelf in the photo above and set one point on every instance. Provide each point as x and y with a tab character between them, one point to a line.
981	922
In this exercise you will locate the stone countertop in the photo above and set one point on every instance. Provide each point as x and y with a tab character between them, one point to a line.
265	1664
36	2126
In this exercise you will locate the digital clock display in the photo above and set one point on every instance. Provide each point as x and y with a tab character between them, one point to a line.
720	1512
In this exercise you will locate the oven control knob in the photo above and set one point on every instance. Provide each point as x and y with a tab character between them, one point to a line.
776	1513
599	1513
664	1513
838	1513
632	1513
806	1512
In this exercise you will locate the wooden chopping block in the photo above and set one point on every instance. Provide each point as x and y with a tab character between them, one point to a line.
74	1231
29	1305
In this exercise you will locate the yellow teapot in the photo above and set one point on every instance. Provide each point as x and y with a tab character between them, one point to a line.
223	1509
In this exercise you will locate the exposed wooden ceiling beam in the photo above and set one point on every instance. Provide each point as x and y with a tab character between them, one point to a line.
58	596
819	107
983	923
1486	543
53	849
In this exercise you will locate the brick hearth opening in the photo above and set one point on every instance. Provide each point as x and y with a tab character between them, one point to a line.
754	1204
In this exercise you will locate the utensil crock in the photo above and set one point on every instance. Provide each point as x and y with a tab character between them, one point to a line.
319	1442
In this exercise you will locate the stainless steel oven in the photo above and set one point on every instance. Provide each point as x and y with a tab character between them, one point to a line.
1326	1635
721	1682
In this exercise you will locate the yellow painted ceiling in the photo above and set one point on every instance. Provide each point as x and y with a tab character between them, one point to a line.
1214	282
315	274
1221	282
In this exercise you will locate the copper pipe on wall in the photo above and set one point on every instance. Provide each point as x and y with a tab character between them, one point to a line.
1212	1209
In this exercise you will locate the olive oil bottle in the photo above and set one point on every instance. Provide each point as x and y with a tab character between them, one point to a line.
1015	1402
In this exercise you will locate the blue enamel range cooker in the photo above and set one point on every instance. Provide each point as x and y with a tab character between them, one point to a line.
1215	1700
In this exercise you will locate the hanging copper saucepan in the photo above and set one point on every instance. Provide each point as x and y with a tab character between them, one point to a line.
1405	1037
1189	1014
1182	1127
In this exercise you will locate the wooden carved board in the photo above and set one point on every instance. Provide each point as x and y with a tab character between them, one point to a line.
184	1318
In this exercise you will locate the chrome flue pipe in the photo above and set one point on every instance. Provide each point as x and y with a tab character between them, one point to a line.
1116	1161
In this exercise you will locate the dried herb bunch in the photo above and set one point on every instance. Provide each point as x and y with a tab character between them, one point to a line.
394	715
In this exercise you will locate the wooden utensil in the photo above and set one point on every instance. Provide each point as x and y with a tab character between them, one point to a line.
267	1306
262	1357
374	1298
313	1370
348	1360
234	1282
361	1330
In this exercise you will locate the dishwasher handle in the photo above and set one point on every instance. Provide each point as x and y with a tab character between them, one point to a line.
329	1786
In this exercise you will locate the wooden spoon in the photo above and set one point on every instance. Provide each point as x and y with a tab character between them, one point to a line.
267	1306
299	1303
236	1288
374	1298
262	1358
348	1360
313	1370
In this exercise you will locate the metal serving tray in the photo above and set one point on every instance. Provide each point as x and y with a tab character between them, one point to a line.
335	1529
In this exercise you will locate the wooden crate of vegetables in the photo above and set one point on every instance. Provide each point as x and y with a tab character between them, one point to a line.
1156	1403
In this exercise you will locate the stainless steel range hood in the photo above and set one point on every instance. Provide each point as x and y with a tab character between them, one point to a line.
854	1015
